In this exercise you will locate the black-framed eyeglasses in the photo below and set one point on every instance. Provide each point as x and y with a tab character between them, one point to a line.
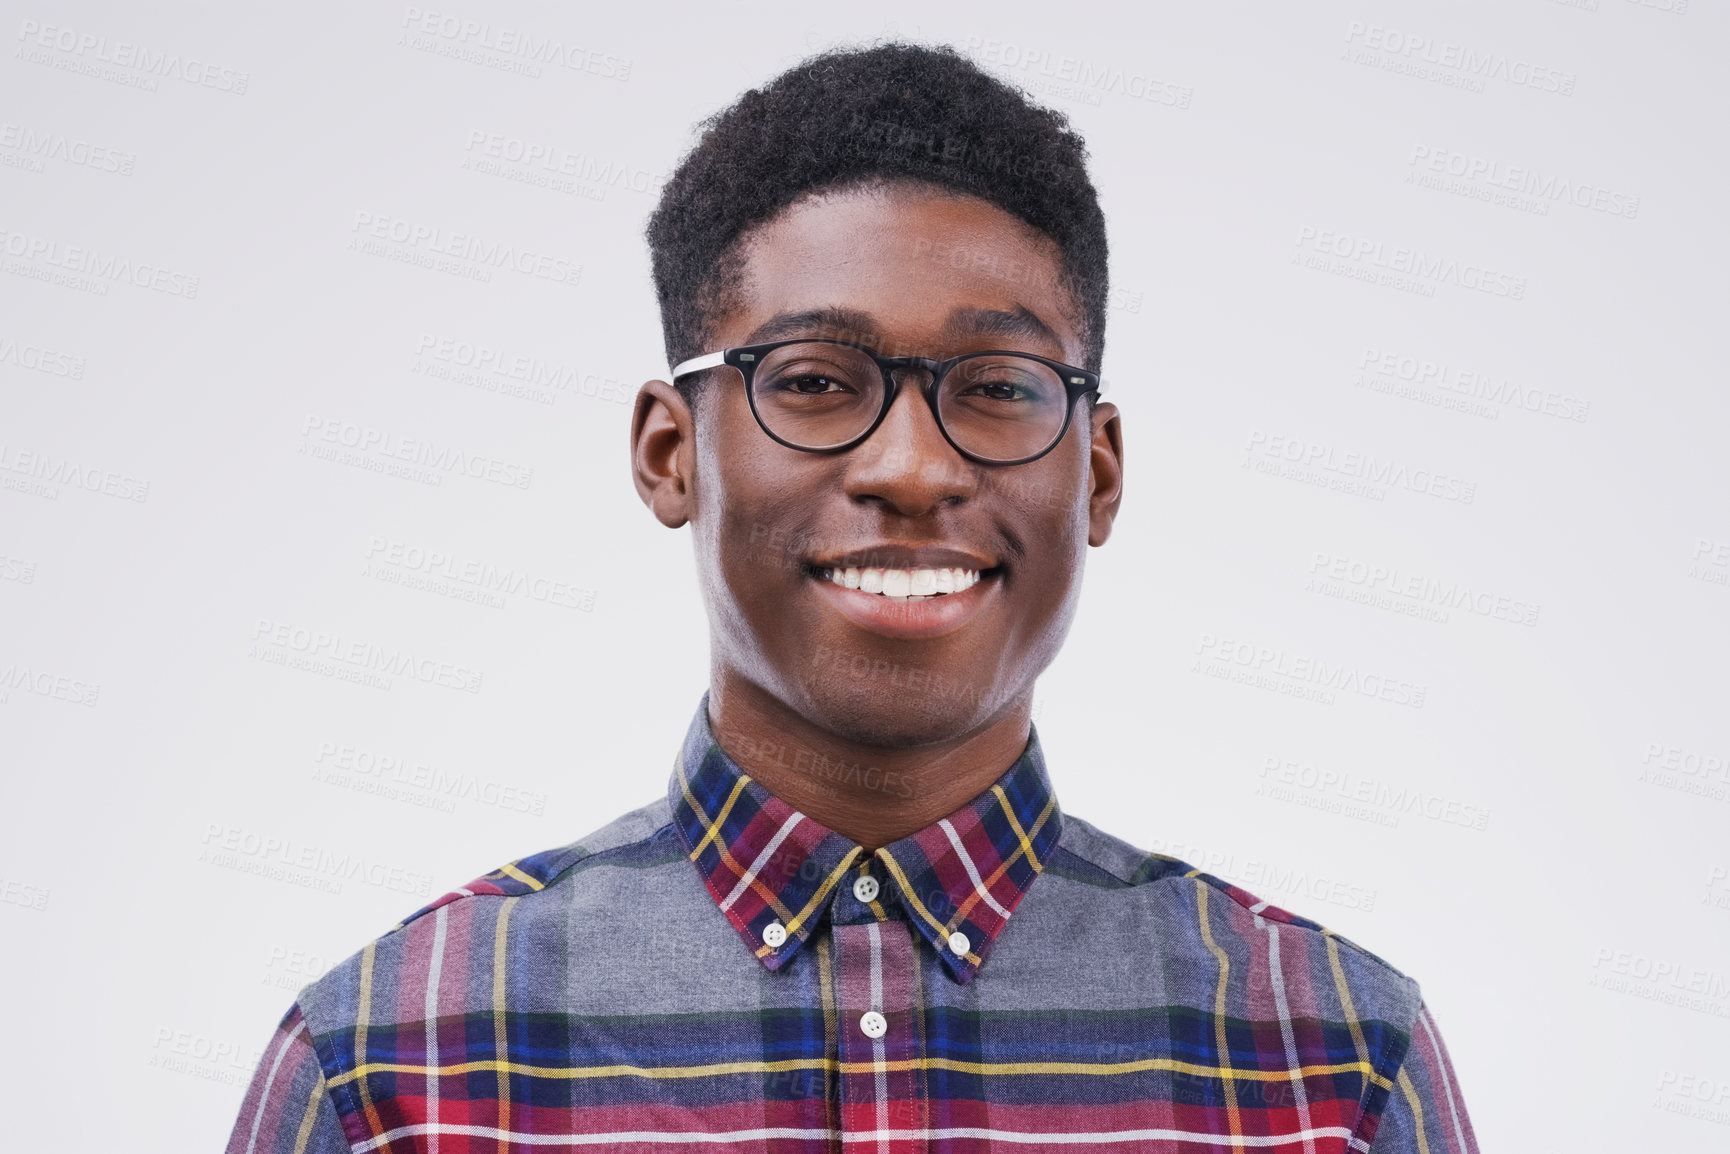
997	406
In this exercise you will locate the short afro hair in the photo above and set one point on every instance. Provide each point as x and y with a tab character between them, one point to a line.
863	117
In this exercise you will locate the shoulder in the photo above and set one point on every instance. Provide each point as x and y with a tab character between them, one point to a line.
535	894
1212	918
546	872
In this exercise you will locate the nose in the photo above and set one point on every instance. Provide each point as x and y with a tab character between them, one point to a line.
906	465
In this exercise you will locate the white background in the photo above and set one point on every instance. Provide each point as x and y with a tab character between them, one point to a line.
1532	822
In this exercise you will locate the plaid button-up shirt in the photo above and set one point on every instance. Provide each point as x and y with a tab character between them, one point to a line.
716	971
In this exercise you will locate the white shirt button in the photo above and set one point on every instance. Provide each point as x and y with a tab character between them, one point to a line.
865	888
774	934
958	944
873	1023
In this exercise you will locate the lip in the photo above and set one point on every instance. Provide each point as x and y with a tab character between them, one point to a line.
909	620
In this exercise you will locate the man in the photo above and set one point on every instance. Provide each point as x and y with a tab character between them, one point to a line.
858	918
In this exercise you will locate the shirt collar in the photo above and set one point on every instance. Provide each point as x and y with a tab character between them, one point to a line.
765	862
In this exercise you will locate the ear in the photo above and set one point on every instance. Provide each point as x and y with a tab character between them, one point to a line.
1105	473
663	453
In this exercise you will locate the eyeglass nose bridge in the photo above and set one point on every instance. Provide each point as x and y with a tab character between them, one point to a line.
894	365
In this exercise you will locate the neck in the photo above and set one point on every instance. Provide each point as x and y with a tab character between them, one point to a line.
872	794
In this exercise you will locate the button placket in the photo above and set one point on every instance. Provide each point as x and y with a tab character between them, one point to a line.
876	980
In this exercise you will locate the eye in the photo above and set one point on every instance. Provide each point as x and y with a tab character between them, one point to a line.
811	384
809	377
1004	382
1011	388
1001	391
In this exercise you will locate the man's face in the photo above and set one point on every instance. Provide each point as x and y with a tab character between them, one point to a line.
908	271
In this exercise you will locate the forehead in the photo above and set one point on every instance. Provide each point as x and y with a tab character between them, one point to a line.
914	264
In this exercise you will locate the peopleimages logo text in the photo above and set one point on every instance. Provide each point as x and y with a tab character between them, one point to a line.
465	246
1360	466
416	451
47	145
517	42
46	467
1108	78
1265	659
316	860
1546	186
1415	262
125	54
1471	62
365	655
104	266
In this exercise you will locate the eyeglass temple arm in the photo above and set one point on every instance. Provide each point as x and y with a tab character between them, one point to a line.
698	364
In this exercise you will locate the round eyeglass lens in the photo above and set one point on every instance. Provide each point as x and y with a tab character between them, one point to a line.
1003	407
815	394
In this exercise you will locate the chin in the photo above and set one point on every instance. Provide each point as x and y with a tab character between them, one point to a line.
885	712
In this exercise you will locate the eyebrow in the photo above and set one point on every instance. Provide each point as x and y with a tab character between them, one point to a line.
849	323
854	324
1017	322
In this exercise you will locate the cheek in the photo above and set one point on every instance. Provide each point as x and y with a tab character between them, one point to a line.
1046	503
750	519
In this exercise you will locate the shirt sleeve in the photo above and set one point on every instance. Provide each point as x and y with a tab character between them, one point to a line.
1424	1113
287	1109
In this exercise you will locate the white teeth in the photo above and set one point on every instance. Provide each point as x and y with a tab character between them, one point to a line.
902	584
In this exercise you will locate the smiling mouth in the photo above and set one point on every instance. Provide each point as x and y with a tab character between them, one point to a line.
903	584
